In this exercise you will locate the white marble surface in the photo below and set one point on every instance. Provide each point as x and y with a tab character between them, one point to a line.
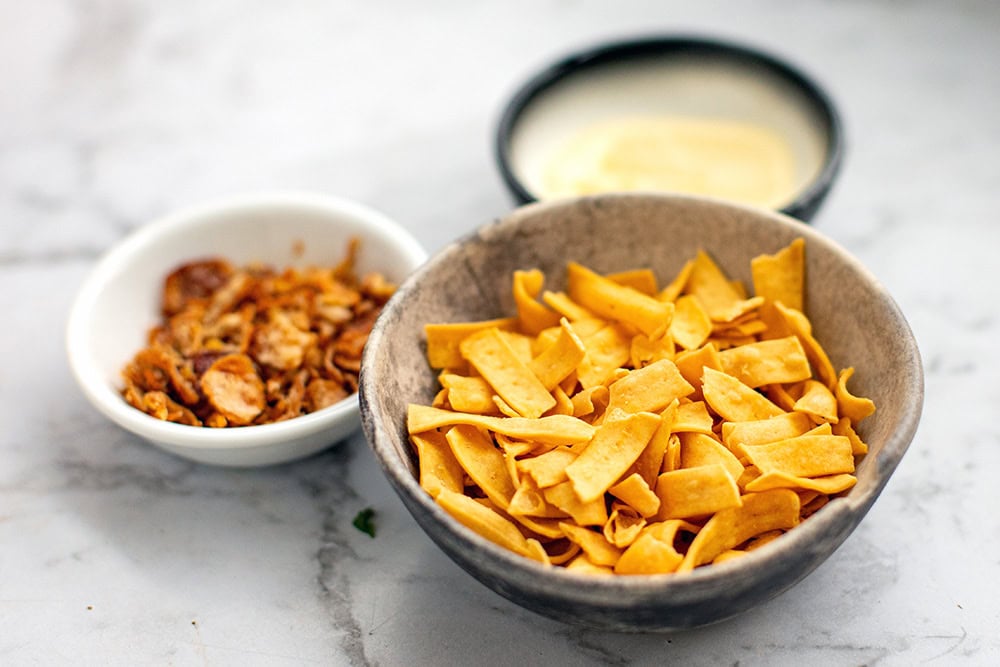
115	111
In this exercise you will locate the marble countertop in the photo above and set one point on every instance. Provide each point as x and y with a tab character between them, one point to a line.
113	113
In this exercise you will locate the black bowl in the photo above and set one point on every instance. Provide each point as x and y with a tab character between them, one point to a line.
743	78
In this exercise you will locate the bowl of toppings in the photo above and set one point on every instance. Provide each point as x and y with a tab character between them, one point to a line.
640	411
231	333
675	113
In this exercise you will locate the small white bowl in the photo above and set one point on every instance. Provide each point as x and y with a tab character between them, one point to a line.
120	301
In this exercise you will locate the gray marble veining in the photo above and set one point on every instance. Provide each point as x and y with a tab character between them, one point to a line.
113	113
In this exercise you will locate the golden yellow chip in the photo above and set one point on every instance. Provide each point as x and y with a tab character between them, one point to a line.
733	400
635	492
617	302
548	469
560	359
818	402
599	551
768	362
468	393
649	389
486	522
828	484
698	449
691	325
653	552
533	316
583	565
676	286
721	300
443	339
758	513
693	417
853	407
693	363
482	462
607	351
781	276
645	351
650	462
641	280
494	359
591	400
804	456
566	307
529	501
845	428
694	492
615	446
439	469
623	525
562	495
794	322
785	425
554	429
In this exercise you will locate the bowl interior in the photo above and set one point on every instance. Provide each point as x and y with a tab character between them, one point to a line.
853	316
120	300
671	76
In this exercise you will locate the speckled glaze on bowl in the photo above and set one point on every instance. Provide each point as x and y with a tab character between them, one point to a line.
853	316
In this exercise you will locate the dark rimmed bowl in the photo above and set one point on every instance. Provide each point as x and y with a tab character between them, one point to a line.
697	76
852	314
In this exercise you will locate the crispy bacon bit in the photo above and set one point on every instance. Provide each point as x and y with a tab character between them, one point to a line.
253	345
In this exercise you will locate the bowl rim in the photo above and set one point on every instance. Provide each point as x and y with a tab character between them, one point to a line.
103	396
576	586
806	201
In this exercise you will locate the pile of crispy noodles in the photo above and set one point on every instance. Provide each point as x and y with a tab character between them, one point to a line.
254	345
620	427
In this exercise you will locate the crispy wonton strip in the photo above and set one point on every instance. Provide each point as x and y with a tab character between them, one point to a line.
623	526
767	362
653	552
649	389
691	325
562	495
468	393
676	287
482	461
615	446
818	402
548	469
553	430
758	513
439	469
695	492
733	400
853	407
698	449
617	302
781	276
828	484
486	522
560	359
493	357
597	548
443	339
634	491
533	315
804	456
787	425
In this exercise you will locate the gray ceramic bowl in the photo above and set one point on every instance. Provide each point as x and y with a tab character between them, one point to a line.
853	316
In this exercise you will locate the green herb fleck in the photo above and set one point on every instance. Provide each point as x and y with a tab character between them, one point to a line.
365	521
